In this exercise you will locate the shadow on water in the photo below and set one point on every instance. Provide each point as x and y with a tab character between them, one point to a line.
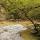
36	31
36	36
28	35
39	38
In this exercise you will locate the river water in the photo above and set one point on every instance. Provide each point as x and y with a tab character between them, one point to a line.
15	32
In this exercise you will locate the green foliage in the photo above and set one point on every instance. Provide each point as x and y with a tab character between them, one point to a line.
20	9
34	14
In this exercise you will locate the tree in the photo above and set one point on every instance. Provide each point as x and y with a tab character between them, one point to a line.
34	14
22	7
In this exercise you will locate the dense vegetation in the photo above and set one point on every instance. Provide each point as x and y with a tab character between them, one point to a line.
19	9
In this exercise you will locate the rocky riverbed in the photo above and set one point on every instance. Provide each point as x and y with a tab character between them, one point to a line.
11	32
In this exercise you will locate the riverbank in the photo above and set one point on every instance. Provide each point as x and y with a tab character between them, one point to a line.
15	22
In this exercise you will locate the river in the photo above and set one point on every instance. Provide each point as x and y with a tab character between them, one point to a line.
9	33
